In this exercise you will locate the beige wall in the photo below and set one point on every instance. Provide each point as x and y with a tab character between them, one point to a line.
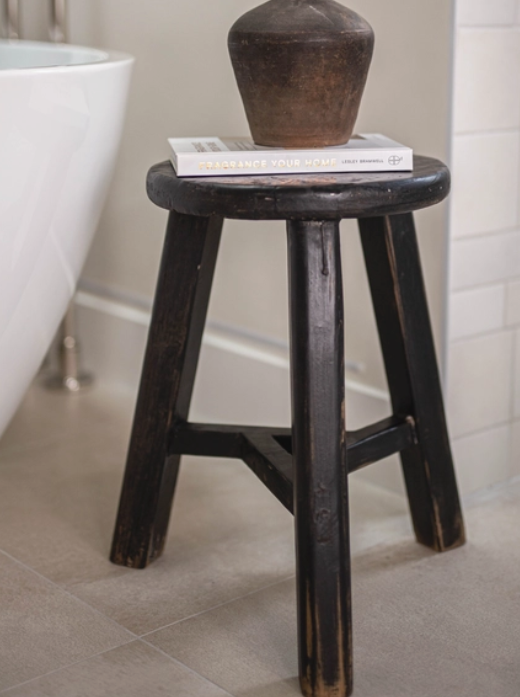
408	97
183	85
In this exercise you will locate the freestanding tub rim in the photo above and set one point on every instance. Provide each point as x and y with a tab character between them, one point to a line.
36	57
62	112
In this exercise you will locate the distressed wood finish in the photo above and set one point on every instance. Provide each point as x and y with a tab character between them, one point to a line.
268	451
301	196
379	440
304	467
301	68
167	379
320	459
272	464
399	298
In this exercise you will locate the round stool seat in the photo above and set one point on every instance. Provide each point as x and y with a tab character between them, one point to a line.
301	196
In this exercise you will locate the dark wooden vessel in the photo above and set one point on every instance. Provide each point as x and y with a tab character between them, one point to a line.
301	67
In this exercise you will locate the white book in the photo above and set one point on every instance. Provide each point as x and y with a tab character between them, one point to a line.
212	157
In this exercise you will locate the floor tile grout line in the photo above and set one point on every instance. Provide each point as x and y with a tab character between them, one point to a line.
158	629
134	640
120	626
186	667
69	593
216	607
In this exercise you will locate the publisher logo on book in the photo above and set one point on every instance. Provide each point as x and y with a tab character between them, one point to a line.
394	160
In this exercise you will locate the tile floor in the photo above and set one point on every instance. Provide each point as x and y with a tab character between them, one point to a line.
216	614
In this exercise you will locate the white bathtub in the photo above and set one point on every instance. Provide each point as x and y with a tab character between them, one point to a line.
61	116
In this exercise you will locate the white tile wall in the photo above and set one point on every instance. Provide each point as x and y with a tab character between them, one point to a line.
486	80
485	182
482	458
515	376
483	389
480	388
479	260
476	311
486	12
515	449
513	304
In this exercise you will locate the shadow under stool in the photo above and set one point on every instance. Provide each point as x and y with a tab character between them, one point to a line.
305	467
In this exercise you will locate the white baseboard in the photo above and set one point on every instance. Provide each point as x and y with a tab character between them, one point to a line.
242	378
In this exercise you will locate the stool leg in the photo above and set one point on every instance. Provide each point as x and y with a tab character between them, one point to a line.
319	455
396	283
170	363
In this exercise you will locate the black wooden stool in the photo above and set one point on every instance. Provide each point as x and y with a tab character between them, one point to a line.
306	467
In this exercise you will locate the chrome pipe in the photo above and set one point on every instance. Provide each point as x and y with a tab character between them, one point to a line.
69	377
58	21
11	16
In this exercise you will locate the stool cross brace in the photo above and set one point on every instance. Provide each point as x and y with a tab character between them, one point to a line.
268	451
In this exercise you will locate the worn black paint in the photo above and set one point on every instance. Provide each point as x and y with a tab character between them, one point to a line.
320	458
301	196
398	294
170	363
259	447
306	466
